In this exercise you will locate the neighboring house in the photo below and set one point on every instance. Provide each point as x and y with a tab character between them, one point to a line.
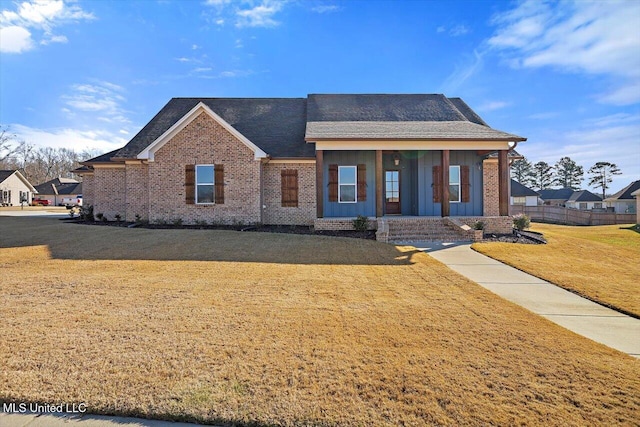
320	160
584	200
15	189
58	189
522	195
636	194
623	201
555	196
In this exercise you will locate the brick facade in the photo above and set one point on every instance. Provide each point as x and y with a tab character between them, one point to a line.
137	196
109	193
273	212
88	189
490	189
204	141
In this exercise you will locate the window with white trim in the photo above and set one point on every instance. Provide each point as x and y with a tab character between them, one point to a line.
454	184
205	184
518	200
347	184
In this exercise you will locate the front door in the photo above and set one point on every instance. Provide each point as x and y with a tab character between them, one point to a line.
392	192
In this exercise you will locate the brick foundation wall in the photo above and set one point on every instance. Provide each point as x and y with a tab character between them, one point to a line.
109	192
490	195
274	213
341	223
492	224
88	189
137	196
204	141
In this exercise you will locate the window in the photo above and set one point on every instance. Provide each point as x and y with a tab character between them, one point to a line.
454	183
583	205
347	184
519	200
597	205
204	184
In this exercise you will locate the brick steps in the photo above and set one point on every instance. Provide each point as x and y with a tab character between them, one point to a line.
425	229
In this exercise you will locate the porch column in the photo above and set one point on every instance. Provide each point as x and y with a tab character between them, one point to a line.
319	186
444	197
503	183
379	195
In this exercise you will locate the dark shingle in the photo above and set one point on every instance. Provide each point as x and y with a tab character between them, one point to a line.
276	125
467	111
4	174
519	190
584	196
556	193
381	108
625	193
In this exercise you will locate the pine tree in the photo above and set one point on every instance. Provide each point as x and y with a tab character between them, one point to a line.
542	175
601	175
568	174
522	171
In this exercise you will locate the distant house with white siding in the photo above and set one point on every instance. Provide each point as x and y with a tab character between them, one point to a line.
584	200
15	188
522	195
623	201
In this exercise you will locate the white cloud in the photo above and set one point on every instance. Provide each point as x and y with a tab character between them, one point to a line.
493	105
102	98
75	139
325	8
463	72
202	69
259	16
458	30
599	38
15	39
612	138
36	19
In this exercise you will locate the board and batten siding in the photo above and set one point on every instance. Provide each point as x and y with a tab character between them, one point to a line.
426	161
350	158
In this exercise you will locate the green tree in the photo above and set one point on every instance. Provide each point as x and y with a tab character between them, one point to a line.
542	175
601	175
568	174
522	171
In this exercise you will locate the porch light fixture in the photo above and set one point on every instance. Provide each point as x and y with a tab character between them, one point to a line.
396	159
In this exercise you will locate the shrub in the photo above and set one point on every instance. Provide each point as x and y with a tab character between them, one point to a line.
138	218
521	222
86	213
118	217
201	222
100	216
361	223
478	225
177	222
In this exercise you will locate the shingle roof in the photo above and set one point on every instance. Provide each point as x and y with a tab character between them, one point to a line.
456	130
276	125
4	174
625	193
556	193
381	107
519	190
279	126
584	196
63	186
425	116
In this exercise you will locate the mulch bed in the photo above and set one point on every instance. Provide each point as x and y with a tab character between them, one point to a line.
523	237
287	229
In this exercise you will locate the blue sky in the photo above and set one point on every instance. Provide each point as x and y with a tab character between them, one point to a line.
566	75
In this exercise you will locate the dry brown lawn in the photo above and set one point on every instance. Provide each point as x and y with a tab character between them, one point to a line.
601	263
274	329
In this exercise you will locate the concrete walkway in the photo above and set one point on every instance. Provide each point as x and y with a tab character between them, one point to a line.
567	309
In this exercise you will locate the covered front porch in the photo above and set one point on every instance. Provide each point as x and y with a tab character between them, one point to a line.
378	183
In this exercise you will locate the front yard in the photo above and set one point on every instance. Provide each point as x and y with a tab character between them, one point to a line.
274	329
599	262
